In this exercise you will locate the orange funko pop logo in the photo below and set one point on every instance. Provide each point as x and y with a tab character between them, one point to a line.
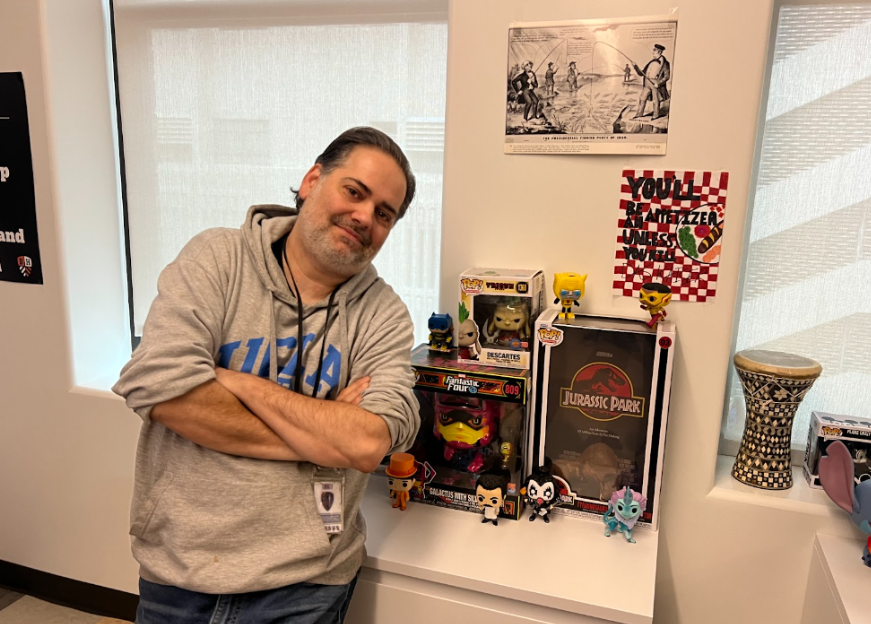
832	432
550	336
472	286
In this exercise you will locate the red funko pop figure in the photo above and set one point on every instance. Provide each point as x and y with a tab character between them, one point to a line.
466	425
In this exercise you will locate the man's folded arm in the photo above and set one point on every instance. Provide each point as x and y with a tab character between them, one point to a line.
211	416
170	377
334	434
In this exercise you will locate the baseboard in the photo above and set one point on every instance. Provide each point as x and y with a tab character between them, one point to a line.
69	593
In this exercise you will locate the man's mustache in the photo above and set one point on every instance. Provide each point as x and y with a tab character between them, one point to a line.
360	231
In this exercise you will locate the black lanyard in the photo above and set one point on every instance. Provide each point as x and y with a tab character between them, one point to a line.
297	378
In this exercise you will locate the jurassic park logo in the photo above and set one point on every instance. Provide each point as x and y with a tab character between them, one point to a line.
603	392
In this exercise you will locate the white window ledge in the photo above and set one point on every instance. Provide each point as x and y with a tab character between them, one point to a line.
800	498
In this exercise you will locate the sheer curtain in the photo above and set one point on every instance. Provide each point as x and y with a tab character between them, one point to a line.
227	104
807	282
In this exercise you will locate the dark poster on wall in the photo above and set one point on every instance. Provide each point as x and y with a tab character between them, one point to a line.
19	242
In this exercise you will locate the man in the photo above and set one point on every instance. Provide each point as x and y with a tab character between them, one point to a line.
572	77
549	81
252	457
525	84
656	74
490	494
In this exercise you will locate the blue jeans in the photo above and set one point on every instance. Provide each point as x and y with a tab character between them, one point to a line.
303	603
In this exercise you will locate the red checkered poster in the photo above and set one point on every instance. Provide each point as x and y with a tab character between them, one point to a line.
670	230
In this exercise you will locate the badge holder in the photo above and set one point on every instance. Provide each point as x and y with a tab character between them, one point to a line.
329	488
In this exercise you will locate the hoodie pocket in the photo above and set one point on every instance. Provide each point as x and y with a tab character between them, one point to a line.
270	521
142	516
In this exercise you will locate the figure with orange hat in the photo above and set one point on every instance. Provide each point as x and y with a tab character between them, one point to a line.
400	475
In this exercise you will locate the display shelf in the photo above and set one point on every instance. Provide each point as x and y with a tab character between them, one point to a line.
847	577
568	564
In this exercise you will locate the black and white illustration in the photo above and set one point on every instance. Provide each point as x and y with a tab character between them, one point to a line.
590	87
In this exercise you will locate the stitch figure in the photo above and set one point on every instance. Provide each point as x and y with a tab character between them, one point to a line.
569	289
624	509
441	332
837	479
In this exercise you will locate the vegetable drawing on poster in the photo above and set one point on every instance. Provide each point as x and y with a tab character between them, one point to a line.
670	230
590	86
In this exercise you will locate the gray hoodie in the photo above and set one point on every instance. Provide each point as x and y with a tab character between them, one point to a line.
216	523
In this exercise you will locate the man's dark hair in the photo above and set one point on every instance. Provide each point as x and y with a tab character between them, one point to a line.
338	151
492	481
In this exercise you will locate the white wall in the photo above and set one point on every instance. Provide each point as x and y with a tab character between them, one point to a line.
66	457
719	561
66	454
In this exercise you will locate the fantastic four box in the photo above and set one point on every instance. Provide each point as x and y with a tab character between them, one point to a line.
473	420
853	431
498	309
600	400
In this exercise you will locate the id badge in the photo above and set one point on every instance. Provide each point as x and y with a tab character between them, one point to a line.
329	489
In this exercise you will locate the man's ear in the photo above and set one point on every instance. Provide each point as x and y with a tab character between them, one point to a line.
310	180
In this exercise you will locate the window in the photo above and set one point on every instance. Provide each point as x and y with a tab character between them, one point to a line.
227	104
807	281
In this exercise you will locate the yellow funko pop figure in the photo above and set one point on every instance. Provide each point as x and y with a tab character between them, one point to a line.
654	297
569	289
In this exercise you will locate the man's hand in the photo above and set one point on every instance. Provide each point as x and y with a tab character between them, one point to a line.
353	392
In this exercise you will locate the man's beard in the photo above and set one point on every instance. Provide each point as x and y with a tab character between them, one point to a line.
346	258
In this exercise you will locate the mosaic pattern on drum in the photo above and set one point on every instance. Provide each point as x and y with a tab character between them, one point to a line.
764	459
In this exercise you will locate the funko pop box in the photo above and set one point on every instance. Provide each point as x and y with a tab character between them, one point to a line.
853	431
600	402
498	309
473	419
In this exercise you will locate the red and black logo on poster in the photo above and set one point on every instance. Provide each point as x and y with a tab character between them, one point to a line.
25	265
602	392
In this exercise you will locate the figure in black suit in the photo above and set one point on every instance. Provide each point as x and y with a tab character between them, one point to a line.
656	74
524	84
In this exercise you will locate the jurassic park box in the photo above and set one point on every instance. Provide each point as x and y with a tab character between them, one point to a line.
600	396
473	420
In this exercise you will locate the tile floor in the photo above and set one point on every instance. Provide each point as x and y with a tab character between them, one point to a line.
19	609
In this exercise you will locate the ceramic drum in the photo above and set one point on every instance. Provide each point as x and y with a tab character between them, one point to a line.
774	386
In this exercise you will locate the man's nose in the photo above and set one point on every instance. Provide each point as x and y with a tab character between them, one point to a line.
363	214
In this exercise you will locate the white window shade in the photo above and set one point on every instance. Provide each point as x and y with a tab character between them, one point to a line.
227	104
807	282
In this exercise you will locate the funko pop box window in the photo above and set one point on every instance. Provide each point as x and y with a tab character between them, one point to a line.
600	403
499	307
473	420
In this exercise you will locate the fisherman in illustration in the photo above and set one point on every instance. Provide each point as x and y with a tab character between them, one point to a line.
572	77
549	83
